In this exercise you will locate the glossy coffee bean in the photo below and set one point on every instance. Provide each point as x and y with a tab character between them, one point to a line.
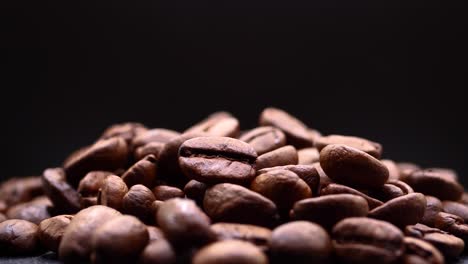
142	172
112	192
296	132
76	245
20	190
119	240
219	124
161	135
330	209
452	224
433	207
227	202
283	187
286	155
230	251
264	139
18	237
257	235
372	148
352	167
138	201
63	196
152	148
165	192
418	251
184	223
308	173
435	183
127	131
89	186
51	231
413	205
456	208
300	242
195	190
390	190
363	240
449	245
308	156
334	188
34	211
158	252
108	154
217	159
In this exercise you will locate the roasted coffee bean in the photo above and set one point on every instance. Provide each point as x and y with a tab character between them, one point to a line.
3	206
365	240
227	202
158	252
126	131
138	201
184	223
264	139
18	237
296	132
119	240
155	206
230	251
152	148
456	208
449	245
2	217
418	251
286	155
300	242
334	188
433	207
112	192
308	156
436	183
195	190
86	202
217	159
76	245
452	224
372	148
154	135
283	187
406	168
154	233
390	190
63	196
142	172
330	209
108	154
308	173
257	235
393	170
51	231
413	205
324	179
89	186
34	211
220	124
164	192
20	190
352	167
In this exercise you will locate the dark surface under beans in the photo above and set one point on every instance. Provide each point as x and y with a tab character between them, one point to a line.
280	192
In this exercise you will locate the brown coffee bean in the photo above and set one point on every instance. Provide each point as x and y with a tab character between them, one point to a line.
152	148
406	168
393	169
217	159
34	211
364	240
230	251
300	242
433	207
436	183
126	131
286	155
18	237
164	192
264	139
86	202
296	132
283	187
308	173
324	179
313	134
51	231
330	209
112	192
158	252
108	154
154	233
257	235
227	202
334	188
390	190
449	245
452	224
308	156
456	208
352	167
20	190
195	190
161	135
2	217
464	199
119	240
184	223
142	172
89	186
413	205
372	148
3	206
418	251
76	245
64	197
138	201
220	124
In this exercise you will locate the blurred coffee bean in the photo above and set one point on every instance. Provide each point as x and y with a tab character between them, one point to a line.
127	131
390	190
20	190
2	217
138	202
264	139
334	188
257	235
195	190
158	252
112	192
433	207
161	135
436	183
286	155
393	170
164	192
308	156
308	173
34	211
63	196
89	186
219	124
452	224
51	231
152	148
154	233
372	148
456	208
18	237
406	168
142	172
230	251
419	251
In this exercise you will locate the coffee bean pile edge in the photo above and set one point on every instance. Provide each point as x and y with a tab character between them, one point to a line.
278	193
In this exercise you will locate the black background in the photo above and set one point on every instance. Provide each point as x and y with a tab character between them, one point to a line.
390	71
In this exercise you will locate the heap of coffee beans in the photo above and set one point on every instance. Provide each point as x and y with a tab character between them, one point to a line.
277	193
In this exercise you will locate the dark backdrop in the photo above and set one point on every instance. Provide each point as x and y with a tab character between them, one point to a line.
388	71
